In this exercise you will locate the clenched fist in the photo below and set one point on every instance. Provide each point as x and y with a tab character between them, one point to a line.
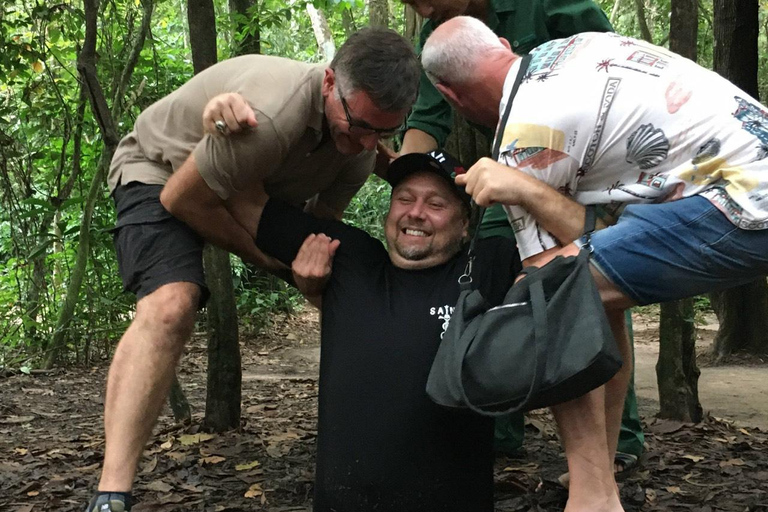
489	182
228	113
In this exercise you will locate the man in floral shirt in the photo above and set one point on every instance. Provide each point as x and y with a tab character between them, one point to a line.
611	120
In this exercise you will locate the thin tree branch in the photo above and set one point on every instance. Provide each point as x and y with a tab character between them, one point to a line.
644	31
87	68
615	11
133	57
66	189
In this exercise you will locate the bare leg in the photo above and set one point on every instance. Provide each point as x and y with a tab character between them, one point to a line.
615	303
592	486
582	430
140	377
616	388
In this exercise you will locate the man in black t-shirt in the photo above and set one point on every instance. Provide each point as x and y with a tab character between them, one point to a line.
382	444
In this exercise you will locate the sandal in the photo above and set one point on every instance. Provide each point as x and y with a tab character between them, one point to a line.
624	466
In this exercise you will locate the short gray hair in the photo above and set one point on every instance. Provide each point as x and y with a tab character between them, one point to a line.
381	63
452	57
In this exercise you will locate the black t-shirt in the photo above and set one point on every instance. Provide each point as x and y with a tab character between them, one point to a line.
382	444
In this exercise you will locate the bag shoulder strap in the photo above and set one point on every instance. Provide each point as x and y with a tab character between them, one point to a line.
526	60
466	279
590	219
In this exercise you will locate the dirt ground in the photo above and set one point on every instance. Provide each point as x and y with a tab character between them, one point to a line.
738	392
51	440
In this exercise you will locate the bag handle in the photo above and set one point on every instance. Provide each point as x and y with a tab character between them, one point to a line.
466	279
540	335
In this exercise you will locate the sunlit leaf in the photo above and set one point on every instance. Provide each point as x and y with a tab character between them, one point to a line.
247	466
213	459
54	35
190	439
254	491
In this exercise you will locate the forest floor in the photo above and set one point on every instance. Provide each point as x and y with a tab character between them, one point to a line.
51	440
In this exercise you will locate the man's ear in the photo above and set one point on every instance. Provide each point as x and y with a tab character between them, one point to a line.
465	230
505	43
329	82
449	94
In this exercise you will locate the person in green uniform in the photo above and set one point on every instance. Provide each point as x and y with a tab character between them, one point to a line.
525	24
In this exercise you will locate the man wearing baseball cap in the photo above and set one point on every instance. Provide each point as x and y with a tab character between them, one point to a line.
382	443
176	187
437	161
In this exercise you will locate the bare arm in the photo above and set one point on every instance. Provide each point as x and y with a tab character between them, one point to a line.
558	214
541	259
414	141
417	141
384	157
490	182
187	197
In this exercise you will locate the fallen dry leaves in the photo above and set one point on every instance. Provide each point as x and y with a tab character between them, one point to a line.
51	447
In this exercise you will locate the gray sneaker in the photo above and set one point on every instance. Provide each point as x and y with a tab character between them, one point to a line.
110	502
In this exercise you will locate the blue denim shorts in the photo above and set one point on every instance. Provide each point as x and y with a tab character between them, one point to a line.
669	251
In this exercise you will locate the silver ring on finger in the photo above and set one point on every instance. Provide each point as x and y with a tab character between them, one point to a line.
221	126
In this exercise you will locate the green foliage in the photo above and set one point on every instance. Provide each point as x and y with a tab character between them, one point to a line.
50	147
368	208
701	307
260	294
657	18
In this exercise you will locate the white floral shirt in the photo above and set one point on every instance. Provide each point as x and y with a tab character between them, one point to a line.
611	120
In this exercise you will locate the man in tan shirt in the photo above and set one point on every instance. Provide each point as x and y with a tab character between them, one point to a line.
176	187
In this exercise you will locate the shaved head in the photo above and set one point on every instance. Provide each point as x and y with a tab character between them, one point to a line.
454	50
468	64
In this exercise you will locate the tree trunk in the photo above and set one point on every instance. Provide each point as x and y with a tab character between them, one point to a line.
615	11
182	412
86	66
222	405
40	270
322	31
735	51
378	12
202	33
413	24
645	32
466	143
676	371
743	320
245	20
36	286
742	311
684	28
348	22
81	260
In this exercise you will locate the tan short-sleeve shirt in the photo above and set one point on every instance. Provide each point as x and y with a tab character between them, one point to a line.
286	151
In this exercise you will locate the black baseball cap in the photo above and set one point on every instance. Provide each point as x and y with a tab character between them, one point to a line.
438	161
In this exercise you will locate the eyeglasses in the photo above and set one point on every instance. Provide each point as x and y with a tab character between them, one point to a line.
362	128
